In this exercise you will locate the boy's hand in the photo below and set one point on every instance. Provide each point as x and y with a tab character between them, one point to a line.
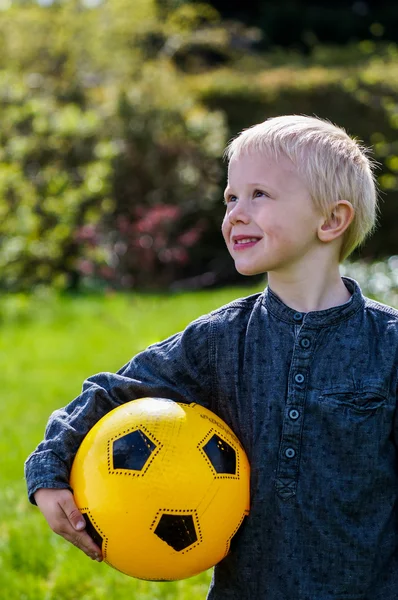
65	519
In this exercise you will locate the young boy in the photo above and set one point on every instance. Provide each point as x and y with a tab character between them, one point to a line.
305	373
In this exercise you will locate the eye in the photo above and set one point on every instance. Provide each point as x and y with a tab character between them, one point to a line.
230	198
258	193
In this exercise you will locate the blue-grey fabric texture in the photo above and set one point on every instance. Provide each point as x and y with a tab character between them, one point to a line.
312	397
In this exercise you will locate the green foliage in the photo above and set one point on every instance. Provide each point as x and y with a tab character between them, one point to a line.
69	41
114	118
90	129
303	23
167	180
55	167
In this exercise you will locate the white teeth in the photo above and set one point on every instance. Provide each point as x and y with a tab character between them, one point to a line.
246	240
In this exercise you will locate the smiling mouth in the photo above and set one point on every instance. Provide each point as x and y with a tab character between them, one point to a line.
244	243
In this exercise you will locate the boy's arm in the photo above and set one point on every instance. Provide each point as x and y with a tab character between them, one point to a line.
178	368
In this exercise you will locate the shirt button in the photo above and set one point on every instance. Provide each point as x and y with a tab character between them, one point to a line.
297	316
294	414
290	452
299	378
305	343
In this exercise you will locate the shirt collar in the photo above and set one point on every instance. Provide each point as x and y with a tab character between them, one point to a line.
319	318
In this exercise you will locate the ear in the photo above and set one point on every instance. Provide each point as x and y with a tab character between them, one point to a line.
339	219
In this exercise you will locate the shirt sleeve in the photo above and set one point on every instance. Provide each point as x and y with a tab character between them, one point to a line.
178	368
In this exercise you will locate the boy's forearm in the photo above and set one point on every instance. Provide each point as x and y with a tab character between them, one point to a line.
176	368
49	465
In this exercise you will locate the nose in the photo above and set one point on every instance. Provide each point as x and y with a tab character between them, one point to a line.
239	213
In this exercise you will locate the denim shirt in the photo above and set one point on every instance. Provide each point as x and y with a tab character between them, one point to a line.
312	397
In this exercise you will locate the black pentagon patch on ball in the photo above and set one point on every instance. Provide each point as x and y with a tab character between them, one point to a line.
131	451
92	531
178	531
221	455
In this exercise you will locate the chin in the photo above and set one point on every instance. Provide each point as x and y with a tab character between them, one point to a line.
248	271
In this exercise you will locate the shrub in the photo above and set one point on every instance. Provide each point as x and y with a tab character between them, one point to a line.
55	166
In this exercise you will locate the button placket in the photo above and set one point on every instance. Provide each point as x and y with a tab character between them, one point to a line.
290	447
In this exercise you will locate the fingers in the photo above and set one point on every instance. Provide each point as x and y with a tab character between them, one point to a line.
65	519
74	515
72	528
82	541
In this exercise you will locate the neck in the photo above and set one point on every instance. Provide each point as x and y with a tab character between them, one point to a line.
311	290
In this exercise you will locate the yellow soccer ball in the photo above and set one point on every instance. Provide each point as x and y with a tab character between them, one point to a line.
163	486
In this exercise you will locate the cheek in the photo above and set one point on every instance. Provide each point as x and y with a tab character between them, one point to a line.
276	233
225	227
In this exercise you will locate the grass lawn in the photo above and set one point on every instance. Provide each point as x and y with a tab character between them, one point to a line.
47	348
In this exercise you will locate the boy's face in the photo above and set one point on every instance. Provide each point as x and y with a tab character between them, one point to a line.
271	222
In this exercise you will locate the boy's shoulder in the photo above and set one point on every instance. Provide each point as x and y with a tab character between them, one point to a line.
235	312
381	310
244	304
232	317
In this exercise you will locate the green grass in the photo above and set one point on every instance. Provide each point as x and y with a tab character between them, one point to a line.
48	346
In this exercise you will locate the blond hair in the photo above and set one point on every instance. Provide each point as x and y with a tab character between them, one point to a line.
334	166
